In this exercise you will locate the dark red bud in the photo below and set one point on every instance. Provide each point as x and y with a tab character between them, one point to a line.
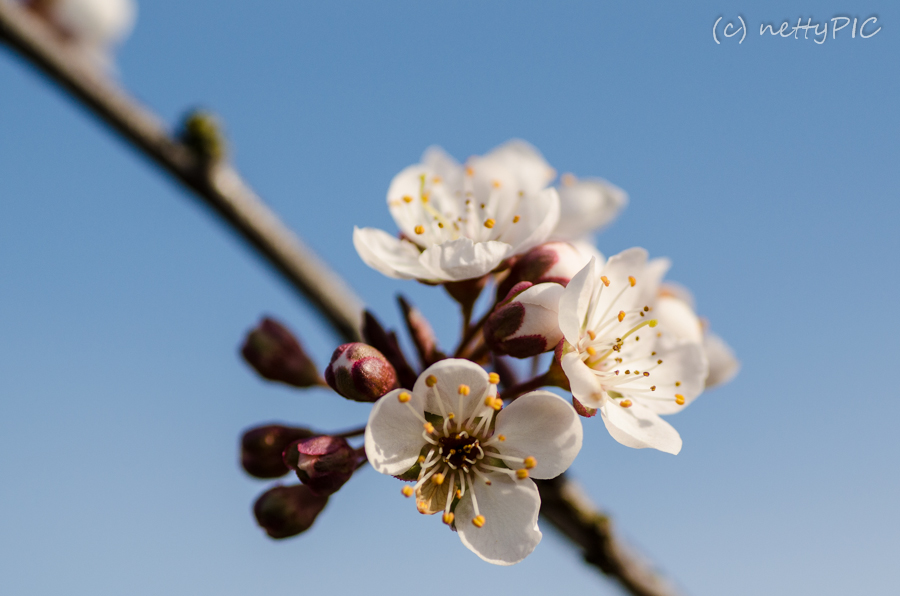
551	262
273	351
285	511
322	463
262	447
360	372
505	322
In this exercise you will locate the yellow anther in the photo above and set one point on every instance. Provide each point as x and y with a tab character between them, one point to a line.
436	180
679	399
422	506
470	171
521	193
489	401
646	374
495	183
632	280
501	437
489	223
652	322
568	179
493	378
447	518
407	199
441	225
530	462
407	491
421	459
404	397
516	219
591	351
621	315
605	280
652	387
498	404
592	335
678	383
464	390
429	427
625	403
646	309
425	197
451	416
458	494
420	230
522	474
438	479
431	380
478	521
658	361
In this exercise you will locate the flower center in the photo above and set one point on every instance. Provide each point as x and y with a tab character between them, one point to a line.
459	450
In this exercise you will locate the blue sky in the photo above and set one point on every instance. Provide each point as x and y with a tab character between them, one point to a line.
767	171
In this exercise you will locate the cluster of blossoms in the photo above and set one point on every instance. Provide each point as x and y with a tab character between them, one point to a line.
467	436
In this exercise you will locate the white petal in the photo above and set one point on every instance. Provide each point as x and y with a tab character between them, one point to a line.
574	302
639	427
677	321
442	164
539	213
101	22
683	372
651	280
541	425
619	295
394	434
463	259
510	509
585	384
587	205
531	170
390	256
450	374
723	365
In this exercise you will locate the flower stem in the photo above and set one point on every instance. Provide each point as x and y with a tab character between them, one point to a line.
353	432
536	383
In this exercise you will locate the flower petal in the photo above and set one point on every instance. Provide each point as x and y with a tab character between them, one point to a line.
531	170
390	256
463	259
510	509
619	294
539	213
683	372
677	321
584	383
586	205
541	425
450	374
575	300
639	427
723	365
394	433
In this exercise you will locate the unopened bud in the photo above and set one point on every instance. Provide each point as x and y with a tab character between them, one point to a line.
360	372
276	355
286	511
322	463
556	262
202	133
527	322
262	449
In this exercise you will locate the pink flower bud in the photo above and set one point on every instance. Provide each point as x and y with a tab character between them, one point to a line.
554	262
360	372
262	449
526	323
322	463
277	355
285	511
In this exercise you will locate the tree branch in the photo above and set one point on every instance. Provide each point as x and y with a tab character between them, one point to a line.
220	187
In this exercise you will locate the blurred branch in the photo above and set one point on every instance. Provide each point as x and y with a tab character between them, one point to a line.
570	511
220	187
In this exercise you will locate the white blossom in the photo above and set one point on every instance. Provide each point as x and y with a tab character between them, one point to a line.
617	356
471	458
460	222
586	205
94	26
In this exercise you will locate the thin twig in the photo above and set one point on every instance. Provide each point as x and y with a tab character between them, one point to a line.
218	186
222	189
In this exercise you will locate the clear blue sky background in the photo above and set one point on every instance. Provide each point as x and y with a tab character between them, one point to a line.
768	172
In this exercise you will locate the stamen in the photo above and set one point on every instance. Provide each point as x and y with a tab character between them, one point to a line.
489	223
493	378
420	230
429	428
679	399
530	463
516	219
621	315
605	280
431	380
404	397
478	521
522	474
447	518
407	199
464	390
407	491
625	403
632	280
438	479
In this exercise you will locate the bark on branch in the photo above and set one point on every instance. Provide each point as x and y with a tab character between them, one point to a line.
220	187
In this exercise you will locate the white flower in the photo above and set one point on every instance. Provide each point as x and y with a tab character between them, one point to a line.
671	310
472	459
461	222
586	205
95	26
616	357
